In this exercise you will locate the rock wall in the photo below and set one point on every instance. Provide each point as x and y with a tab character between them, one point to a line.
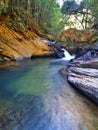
15	45
79	36
86	80
82	73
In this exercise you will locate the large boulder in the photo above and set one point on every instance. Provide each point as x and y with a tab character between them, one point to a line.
86	80
82	73
21	40
88	59
15	45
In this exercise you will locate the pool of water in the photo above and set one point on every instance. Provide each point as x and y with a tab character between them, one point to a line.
35	96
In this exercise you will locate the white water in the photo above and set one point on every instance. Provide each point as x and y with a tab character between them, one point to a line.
67	56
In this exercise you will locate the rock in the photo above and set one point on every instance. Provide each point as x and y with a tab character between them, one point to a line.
79	36
1	59
15	45
18	42
6	59
82	73
85	64
95	47
63	71
86	80
77	49
57	49
88	60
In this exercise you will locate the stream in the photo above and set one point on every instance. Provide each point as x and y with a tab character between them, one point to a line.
35	96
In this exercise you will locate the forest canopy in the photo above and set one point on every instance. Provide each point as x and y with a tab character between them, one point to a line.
47	13
50	16
84	13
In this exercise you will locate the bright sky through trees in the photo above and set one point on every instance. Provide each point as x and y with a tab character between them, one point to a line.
78	1
61	2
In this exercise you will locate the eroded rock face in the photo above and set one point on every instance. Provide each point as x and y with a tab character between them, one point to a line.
14	45
88	60
82	73
86	80
75	35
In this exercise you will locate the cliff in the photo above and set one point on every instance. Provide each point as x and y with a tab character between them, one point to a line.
79	36
17	43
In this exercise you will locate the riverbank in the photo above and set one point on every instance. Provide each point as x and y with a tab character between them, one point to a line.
83	73
19	42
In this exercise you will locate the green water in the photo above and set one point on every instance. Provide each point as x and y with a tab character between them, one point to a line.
35	96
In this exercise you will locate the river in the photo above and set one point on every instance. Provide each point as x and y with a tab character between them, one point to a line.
35	96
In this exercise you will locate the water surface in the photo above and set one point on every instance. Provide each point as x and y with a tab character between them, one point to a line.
35	96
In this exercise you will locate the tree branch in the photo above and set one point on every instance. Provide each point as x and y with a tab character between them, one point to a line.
81	12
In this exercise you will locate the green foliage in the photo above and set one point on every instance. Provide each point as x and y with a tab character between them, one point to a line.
48	14
84	13
69	5
3	9
92	5
17	22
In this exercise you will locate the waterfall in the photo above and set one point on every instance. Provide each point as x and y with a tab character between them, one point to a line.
67	56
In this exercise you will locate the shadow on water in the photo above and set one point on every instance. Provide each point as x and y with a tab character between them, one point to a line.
34	96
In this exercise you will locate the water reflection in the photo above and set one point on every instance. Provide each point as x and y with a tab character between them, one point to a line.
36	97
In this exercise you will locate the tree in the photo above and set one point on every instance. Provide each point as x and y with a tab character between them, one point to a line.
47	13
84	13
94	10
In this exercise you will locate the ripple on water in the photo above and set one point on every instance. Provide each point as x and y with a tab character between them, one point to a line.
36	97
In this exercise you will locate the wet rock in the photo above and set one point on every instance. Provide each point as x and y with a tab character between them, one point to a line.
95	47
11	48
85	64
86	80
6	59
88	60
57	49
83	73
63	71
27	44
